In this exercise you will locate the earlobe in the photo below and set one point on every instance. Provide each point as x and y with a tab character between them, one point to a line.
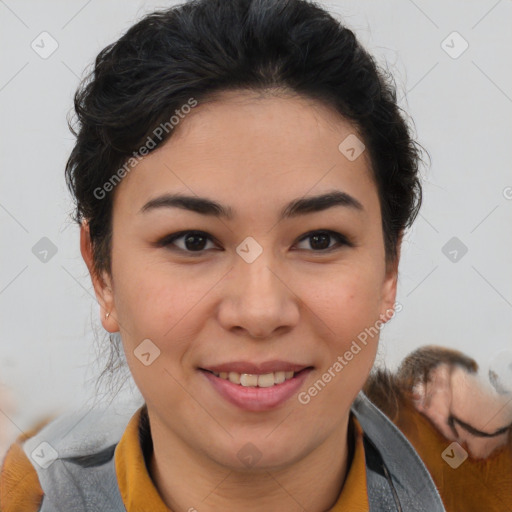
102	284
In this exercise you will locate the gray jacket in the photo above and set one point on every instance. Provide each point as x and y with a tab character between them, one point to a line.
74	460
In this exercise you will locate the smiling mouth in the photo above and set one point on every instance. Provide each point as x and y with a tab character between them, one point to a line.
251	380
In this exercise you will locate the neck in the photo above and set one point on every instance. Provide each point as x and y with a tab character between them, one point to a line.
189	481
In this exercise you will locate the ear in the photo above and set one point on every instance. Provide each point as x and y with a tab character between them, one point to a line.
102	283
389	285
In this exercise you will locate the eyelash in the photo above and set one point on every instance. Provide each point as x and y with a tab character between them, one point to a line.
170	239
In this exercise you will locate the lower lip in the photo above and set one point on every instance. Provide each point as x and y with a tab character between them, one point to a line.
254	398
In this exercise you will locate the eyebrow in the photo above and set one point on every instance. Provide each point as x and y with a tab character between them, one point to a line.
295	208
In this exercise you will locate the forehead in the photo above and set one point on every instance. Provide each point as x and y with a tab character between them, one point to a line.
242	145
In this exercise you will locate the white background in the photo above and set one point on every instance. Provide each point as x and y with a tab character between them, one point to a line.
462	111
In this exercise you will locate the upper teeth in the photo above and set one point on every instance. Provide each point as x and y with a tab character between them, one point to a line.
252	380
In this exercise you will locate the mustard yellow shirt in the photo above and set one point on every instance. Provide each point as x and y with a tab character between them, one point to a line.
20	490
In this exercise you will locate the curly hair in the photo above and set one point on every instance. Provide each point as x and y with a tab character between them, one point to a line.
203	47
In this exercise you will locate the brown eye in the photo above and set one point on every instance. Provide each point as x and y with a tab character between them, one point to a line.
320	240
193	241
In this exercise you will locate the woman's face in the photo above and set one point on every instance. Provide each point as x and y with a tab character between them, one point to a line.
281	284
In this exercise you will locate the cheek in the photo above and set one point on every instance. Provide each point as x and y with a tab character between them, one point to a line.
352	312
348	302
153	305
151	300
349	305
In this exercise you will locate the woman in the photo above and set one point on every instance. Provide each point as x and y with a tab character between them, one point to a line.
243	178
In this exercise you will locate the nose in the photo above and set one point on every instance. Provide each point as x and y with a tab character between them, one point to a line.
258	301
